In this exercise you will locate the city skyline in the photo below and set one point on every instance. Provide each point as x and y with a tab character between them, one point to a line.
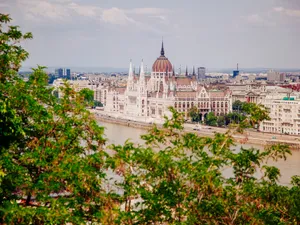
211	34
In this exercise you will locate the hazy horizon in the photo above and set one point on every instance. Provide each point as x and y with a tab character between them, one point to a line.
51	69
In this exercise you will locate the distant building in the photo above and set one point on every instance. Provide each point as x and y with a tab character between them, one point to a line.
59	72
68	72
274	76
256	92
201	73
236	72
63	72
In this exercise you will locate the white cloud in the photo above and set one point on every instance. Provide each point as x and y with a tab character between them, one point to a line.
148	11
116	16
287	12
255	18
278	9
83	10
67	12
258	20
40	9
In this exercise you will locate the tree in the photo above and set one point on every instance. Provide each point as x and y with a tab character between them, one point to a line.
235	117
51	154
87	94
255	114
237	105
211	119
97	104
176	178
194	114
221	121
250	114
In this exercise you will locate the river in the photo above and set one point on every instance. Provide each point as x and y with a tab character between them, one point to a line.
118	134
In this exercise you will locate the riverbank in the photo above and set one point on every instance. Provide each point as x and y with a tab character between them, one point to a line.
253	137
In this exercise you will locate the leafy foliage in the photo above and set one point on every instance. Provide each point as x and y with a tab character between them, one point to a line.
98	104
87	94
211	119
194	114
178	178
51	154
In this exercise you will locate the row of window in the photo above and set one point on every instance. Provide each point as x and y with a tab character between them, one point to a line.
201	104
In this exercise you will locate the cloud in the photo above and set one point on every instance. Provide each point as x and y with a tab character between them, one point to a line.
83	10
39	9
69	13
258	20
287	12
255	18
148	11
116	16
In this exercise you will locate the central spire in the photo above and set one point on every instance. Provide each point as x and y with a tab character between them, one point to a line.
162	51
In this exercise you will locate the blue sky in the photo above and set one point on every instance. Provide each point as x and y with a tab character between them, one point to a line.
210	33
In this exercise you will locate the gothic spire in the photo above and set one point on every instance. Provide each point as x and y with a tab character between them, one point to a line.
142	72
162	51
186	72
130	73
194	74
173	71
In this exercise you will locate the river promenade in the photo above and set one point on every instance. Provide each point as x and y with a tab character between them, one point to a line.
249	136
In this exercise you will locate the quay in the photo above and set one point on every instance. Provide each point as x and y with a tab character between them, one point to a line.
252	137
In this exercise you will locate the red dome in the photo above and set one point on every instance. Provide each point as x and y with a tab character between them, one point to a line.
162	64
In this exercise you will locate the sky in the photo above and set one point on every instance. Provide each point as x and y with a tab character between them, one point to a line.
209	33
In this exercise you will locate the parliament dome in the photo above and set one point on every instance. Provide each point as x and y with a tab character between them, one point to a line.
162	64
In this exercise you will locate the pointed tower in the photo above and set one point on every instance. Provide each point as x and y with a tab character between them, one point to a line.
142	103
162	51
194	74
186	72
142	73
130	77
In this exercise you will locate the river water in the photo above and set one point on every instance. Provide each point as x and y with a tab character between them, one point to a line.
118	134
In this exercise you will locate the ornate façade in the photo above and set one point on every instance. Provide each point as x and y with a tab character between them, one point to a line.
148	97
